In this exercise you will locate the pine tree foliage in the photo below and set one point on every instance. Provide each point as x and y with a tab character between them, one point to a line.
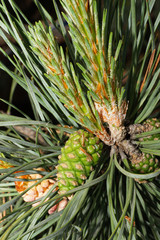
105	81
104	93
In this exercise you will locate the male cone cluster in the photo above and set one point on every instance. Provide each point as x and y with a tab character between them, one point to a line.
38	191
79	156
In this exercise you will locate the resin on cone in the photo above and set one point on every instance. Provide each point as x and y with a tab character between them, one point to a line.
79	156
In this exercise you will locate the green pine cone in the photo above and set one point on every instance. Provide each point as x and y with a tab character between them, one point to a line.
79	156
147	164
151	124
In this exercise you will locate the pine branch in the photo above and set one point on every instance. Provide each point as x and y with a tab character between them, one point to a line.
109	197
64	80
100	71
101	77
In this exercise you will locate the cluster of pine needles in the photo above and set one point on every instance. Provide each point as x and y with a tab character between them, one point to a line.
110	61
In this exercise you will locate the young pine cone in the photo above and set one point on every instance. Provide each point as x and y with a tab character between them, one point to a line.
146	162
79	156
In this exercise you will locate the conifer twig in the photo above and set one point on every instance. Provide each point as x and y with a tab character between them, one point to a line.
105	95
64	81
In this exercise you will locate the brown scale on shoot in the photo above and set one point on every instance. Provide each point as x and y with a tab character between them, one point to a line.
94	47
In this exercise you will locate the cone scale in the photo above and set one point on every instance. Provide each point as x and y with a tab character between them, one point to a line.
147	164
